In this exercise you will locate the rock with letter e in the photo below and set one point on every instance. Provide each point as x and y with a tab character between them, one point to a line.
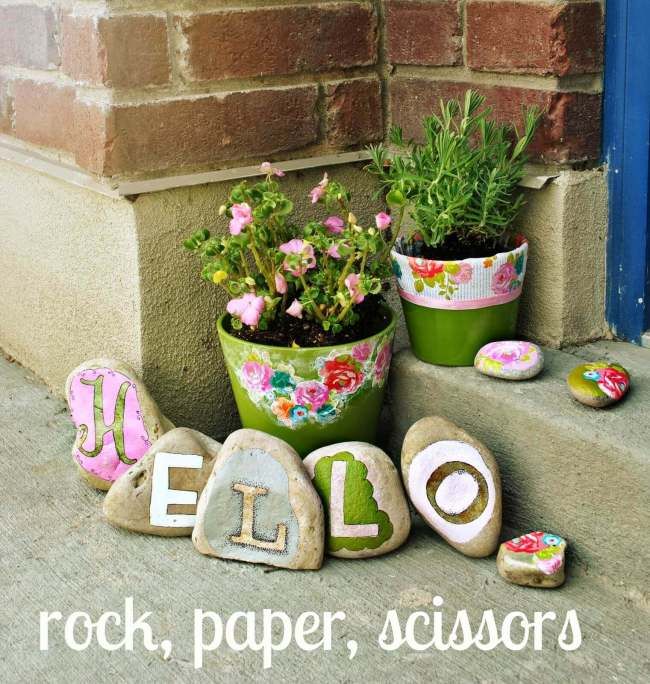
365	505
116	419
259	506
159	494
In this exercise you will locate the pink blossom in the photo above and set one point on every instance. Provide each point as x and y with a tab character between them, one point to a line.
333	251
297	246
280	283
257	376
464	274
311	392
334	224
382	220
352	283
242	215
362	351
248	308
318	192
295	309
266	168
382	362
503	278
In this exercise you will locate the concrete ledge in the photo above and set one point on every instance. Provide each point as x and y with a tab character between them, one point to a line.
581	472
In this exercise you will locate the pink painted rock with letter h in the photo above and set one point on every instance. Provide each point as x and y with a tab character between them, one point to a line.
116	419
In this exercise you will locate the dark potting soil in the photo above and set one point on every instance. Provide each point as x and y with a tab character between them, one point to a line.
288	330
454	250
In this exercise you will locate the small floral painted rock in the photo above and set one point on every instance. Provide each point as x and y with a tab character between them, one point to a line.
510	360
599	384
535	559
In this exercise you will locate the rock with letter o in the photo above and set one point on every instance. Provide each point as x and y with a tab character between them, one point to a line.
453	481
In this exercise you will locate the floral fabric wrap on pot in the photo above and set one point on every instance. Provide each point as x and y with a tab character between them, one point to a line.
466	284
453	308
309	396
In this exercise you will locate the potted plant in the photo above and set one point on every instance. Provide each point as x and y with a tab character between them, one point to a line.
460	269
306	335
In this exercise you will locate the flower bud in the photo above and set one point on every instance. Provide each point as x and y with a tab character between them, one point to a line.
223	209
352	219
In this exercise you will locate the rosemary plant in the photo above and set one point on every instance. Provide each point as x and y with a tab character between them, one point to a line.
460	184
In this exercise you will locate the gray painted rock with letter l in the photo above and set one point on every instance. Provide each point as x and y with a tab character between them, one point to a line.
259	506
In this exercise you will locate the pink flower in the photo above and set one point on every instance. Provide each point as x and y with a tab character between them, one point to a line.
382	220
352	283
257	376
280	283
248	308
311	392
334	224
333	251
297	246
503	278
242	215
266	168
317	192
362	351
464	274
382	362
295	309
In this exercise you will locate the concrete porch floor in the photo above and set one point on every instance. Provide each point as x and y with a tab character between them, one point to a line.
58	554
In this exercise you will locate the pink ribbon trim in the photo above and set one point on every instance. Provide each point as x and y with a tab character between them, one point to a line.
482	303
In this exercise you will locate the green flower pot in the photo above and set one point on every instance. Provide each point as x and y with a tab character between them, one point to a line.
453	308
311	396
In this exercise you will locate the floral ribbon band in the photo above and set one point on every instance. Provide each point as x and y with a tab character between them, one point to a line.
467	284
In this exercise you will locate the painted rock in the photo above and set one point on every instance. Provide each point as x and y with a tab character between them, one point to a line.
259	506
453	481
510	360
365	507
535	559
598	384
159	494
116	419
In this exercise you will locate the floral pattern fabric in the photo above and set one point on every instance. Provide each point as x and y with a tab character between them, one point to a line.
470	280
294	400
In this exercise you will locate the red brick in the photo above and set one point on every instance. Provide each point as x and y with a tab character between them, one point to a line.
354	114
524	37
6	107
279	40
212	129
28	37
427	33
123	52
570	128
44	113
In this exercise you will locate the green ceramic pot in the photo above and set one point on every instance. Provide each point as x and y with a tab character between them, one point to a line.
310	397
453	308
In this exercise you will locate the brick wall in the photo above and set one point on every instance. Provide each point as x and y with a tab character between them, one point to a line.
133	88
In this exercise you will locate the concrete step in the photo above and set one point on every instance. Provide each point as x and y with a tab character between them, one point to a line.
580	472
59	555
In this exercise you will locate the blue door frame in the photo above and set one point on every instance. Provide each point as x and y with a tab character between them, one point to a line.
626	149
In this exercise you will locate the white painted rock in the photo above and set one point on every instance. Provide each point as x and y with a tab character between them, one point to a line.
259	506
535	559
365	506
159	494
453	482
116	419
510	360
